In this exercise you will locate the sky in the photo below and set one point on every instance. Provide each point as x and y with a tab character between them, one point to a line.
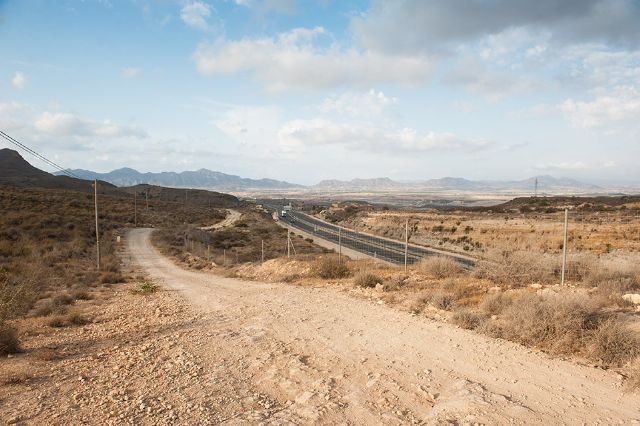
326	89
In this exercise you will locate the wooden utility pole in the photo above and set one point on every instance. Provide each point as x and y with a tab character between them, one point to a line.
564	246
262	243
147	197
208	252
224	257
288	243
406	244
95	201
135	209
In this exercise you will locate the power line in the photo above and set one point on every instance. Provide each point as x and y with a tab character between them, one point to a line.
39	156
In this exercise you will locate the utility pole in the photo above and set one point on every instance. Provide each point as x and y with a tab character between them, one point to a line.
135	209
262	243
535	191
224	257
95	200
208	252
406	244
564	245
147	196
288	242
339	245
186	191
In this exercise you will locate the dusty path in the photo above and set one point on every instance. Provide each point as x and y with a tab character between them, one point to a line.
232	217
326	357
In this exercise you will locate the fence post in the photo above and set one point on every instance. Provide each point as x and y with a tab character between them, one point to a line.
406	244
564	245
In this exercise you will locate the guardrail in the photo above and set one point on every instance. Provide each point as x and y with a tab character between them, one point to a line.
375	246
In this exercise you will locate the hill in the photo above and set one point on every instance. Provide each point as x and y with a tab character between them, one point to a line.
17	172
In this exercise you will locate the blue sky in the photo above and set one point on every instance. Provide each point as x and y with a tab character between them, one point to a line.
310	90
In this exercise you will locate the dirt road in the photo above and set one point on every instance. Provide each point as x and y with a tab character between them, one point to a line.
232	217
323	356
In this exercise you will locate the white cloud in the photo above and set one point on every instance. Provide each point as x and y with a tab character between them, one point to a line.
12	115
249	123
570	166
19	80
64	124
295	135
358	104
299	59
619	107
281	6
131	72
195	14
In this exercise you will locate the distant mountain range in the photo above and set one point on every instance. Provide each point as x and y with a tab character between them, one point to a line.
545	184
202	179
208	179
16	171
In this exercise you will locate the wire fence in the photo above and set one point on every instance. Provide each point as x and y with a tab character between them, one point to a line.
389	250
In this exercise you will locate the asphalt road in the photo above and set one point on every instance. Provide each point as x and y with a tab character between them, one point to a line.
383	248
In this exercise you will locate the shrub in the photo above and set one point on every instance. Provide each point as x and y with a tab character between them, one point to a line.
439	266
444	301
559	324
633	375
613	343
519	266
495	303
111	278
331	268
9	343
366	279
468	319
146	287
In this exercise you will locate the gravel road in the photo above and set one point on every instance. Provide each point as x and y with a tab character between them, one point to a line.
323	356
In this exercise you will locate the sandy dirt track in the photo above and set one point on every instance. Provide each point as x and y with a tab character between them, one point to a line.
324	356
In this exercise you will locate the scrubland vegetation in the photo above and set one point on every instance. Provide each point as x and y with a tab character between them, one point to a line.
240	242
47	252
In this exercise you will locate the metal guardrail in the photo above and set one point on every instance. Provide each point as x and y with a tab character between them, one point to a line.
379	247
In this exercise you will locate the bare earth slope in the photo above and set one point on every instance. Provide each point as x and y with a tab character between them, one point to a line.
322	356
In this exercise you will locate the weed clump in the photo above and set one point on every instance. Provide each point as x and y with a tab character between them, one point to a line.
146	287
331	268
439	266
444	301
468	319
9	343
366	279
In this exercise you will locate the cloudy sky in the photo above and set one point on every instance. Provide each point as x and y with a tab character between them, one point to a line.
309	90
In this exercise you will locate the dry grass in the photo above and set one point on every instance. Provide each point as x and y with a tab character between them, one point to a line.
439	266
67	320
330	267
633	375
559	324
8	378
441	300
366	279
468	319
495	303
516	268
613	343
9	343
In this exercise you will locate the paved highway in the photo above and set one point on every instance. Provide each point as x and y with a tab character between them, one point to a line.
379	247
